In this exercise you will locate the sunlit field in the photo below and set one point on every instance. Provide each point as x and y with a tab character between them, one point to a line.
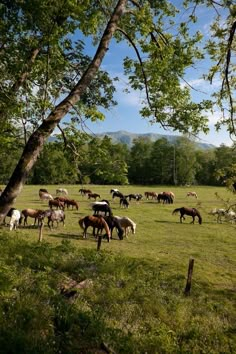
136	303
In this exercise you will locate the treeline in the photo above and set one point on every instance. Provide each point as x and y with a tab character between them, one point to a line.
85	159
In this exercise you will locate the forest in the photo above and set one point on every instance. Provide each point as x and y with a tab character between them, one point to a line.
100	161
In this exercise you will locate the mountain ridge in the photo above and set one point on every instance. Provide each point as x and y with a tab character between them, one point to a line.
125	137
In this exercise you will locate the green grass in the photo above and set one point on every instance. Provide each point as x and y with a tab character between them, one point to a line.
135	302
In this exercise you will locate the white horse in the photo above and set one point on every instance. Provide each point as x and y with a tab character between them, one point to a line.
192	194
45	196
15	218
61	191
127	224
219	213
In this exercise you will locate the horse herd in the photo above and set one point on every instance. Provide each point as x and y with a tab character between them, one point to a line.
103	217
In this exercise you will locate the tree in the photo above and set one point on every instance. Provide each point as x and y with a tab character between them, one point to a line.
186	165
39	68
139	161
162	162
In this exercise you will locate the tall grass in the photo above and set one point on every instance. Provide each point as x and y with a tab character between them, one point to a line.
134	301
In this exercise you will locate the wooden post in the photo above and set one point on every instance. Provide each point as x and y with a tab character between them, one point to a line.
41	231
189	279
99	242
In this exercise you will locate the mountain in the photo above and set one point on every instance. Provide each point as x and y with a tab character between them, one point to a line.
127	138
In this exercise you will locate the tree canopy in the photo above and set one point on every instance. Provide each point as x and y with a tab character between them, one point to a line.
46	75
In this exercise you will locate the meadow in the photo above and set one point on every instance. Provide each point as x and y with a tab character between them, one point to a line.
131	298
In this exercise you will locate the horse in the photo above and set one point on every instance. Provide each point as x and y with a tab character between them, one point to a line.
192	194
45	196
134	196
229	215
188	211
94	196
98	203
32	213
112	223
150	194
84	191
71	202
96	222
53	215
15	218
127	224
9	213
57	203
104	208
62	191
124	203
43	190
165	197
117	194
114	190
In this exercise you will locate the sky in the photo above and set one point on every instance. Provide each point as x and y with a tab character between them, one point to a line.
125	116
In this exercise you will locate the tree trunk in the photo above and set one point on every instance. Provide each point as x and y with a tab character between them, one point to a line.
36	141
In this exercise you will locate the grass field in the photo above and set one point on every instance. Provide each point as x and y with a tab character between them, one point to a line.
135	302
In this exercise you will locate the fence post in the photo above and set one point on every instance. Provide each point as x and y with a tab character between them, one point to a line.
99	242
189	278
41	231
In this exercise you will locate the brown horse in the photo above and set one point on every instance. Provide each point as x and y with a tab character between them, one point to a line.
32	213
150	195
56	203
96	222
72	202
84	191
188	211
93	196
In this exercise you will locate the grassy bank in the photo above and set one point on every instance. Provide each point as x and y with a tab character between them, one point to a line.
129	297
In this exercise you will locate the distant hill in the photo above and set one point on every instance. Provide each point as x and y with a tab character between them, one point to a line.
127	138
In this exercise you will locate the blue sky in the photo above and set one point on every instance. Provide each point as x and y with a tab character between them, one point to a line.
125	116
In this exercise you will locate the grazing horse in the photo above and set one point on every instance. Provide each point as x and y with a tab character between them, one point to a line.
112	223
229	215
53	215
165	197
62	191
32	213
43	190
96	222
124	203
118	195
94	196
150	195
57	203
192	194
71	202
45	196
104	208
127	224
15	218
134	196
8	214
114	190
188	211
84	191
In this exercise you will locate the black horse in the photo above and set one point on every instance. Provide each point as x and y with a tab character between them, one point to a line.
134	196
106	209
124	202
188	211
112	223
117	194
165	198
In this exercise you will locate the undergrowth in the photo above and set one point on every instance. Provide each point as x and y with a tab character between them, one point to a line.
130	305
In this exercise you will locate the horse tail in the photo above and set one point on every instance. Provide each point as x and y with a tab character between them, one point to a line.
81	223
176	210
103	221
